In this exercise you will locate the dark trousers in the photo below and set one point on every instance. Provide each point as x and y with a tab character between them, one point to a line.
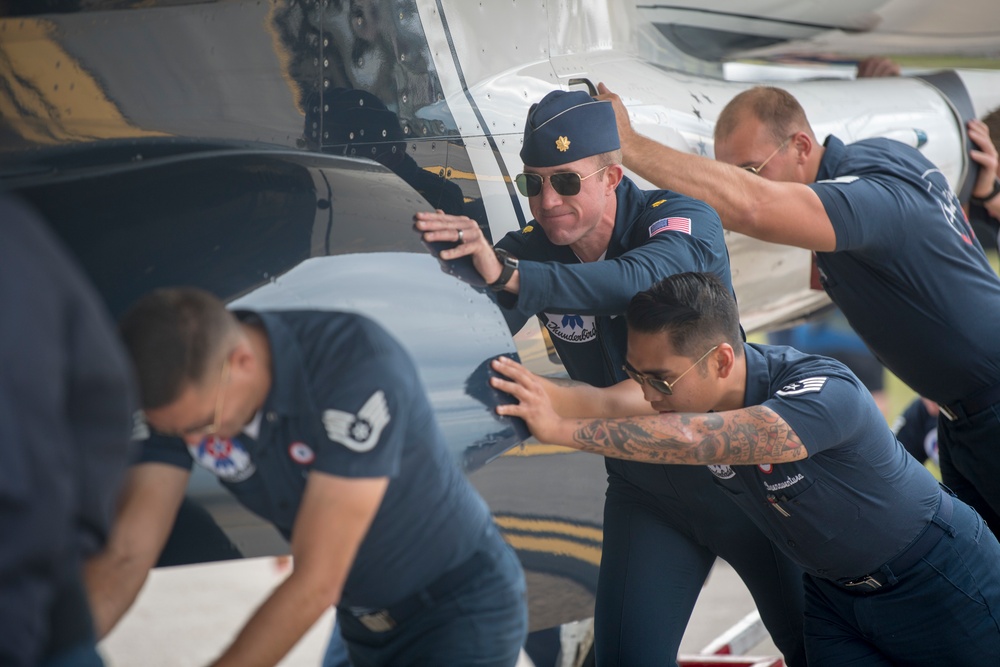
663	528
483	623
84	655
945	610
969	450
71	640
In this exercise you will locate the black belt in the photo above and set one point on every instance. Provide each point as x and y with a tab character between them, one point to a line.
967	407
904	561
383	620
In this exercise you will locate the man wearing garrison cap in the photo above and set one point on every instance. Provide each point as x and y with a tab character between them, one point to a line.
596	240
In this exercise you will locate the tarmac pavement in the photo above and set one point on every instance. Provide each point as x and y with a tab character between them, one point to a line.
185	616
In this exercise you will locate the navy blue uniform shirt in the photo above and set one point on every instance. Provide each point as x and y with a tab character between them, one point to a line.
346	400
657	233
652	512
859	498
66	402
908	272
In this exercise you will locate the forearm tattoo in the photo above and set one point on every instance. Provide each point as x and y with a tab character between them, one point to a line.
738	437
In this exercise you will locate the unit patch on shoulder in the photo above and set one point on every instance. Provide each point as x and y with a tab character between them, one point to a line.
571	328
806	386
226	458
722	471
301	453
670	224
657	203
360	432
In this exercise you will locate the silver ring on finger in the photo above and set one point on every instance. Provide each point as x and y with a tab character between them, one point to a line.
460	235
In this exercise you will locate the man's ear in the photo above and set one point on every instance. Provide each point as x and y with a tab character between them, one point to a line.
725	360
615	173
804	146
242	358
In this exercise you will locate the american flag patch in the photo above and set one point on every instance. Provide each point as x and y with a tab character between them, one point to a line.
670	224
806	386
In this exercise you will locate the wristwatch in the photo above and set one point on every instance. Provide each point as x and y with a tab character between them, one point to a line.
509	266
979	201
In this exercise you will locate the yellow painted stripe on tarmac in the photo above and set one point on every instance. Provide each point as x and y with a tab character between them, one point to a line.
549	526
556	546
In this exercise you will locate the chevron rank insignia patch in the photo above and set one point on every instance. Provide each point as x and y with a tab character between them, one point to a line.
360	432
806	386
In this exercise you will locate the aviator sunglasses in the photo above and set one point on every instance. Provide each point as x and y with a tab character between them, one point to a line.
565	183
759	168
659	384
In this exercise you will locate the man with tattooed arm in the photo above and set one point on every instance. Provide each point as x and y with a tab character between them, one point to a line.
596	239
898	571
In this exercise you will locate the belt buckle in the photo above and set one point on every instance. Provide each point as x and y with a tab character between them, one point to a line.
948	412
378	621
867	580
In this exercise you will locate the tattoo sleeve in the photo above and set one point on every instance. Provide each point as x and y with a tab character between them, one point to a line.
739	437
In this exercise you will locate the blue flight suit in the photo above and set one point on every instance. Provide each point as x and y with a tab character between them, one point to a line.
66	403
346	400
897	571
911	278
663	525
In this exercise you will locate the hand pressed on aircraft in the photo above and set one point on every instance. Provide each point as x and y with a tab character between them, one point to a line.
438	227
988	161
625	130
877	66
534	403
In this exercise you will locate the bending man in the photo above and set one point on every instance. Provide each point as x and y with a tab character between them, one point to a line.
597	239
897	570
317	422
893	250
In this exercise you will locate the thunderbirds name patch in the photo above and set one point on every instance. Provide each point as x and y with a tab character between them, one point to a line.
572	328
806	386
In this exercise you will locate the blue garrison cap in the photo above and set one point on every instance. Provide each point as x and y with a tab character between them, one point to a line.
566	127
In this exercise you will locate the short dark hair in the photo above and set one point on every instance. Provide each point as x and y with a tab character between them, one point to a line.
776	108
695	309
610	158
172	335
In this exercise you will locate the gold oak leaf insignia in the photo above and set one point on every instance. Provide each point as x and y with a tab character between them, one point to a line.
562	144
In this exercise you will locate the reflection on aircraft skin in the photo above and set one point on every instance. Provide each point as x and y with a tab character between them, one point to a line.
42	105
